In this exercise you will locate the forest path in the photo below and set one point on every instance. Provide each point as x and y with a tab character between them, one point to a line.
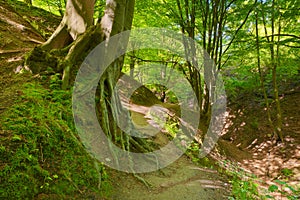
182	179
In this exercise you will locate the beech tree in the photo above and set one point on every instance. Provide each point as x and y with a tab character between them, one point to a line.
77	35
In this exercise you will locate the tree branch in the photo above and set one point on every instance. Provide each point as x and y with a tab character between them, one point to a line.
240	27
284	35
290	46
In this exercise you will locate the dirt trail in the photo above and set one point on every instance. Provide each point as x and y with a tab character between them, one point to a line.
246	141
180	180
272	160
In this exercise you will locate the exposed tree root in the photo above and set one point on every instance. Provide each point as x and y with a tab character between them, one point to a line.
13	51
146	183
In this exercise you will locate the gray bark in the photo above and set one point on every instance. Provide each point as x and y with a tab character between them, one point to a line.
77	18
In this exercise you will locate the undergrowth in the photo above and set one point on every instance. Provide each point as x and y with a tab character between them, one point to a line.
247	186
40	154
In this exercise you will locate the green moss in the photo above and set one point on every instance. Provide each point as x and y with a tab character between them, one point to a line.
40	60
40	153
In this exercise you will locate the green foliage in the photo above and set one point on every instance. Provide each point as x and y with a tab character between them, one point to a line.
240	79
152	13
286	172
244	189
168	124
172	128
57	7
41	153
284	189
193	151
244	186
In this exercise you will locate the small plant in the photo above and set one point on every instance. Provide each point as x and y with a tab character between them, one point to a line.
244	189
244	185
255	124
284	189
286	172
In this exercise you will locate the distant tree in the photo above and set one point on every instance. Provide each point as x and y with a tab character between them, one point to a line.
275	17
209	22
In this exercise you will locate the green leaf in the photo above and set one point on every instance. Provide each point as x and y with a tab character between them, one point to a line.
16	138
280	182
269	197
291	188
273	188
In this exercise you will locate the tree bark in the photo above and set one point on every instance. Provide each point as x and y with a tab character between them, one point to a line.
117	18
77	18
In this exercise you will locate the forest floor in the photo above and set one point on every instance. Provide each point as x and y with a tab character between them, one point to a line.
180	180
246	138
20	32
246	147
248	141
183	179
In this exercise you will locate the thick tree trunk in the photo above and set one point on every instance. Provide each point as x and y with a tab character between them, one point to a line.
60	38
77	26
117	18
77	18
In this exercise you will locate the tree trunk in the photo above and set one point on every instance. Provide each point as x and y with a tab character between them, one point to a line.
77	18
275	85
274	64
117	18
262	82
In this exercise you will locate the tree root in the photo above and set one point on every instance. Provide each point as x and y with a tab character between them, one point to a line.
146	183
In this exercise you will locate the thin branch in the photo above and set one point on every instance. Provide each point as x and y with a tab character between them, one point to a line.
296	47
240	27
230	3
282	34
154	61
